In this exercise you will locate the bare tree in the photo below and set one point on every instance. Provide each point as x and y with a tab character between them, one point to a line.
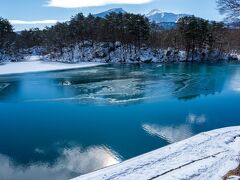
229	7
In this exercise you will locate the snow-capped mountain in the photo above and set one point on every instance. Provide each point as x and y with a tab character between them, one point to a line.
115	10
163	17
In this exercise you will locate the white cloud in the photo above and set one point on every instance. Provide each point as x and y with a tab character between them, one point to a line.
17	22
71	161
171	134
195	119
89	3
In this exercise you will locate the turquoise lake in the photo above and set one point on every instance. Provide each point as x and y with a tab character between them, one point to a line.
59	125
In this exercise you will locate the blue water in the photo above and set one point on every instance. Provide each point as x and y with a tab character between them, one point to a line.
58	125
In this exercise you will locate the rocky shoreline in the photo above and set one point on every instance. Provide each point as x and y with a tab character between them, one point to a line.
117	53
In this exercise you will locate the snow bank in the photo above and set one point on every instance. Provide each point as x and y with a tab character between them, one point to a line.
34	65
235	56
234	178
117	53
206	156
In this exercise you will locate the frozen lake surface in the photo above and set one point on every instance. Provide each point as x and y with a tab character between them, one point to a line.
59	125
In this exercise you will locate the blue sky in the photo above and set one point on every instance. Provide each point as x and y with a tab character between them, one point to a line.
62	10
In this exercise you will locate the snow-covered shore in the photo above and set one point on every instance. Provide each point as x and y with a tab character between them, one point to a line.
36	65
209	155
117	53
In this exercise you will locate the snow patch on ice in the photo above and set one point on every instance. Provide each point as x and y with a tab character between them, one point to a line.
66	83
39	66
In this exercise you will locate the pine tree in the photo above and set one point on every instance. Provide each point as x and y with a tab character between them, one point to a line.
6	30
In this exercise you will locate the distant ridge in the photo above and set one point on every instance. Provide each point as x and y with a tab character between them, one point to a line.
165	20
115	10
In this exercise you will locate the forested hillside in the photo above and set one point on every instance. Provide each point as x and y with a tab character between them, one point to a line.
130	32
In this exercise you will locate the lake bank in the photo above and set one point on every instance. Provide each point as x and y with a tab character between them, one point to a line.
117	53
209	155
100	55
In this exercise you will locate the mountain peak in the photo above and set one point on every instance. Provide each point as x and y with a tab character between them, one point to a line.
117	10
153	12
114	10
160	17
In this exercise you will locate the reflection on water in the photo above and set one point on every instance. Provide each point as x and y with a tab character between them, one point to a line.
235	82
110	112
175	133
72	162
171	134
195	119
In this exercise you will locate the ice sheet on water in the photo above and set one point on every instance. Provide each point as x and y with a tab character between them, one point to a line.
128	90
132	89
111	91
197	85
3	86
110	85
